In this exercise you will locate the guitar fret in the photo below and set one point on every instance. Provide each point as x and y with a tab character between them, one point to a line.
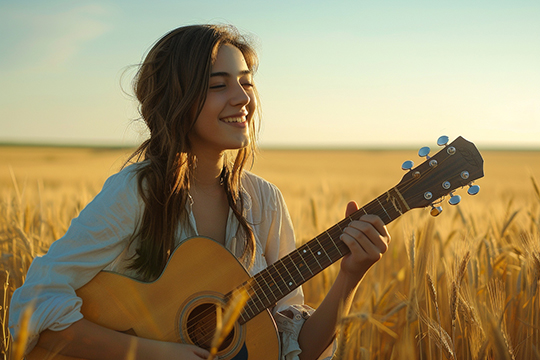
293	282
335	245
333	242
322	248
256	293
269	270
303	269
271	283
279	262
264	292
304	252
389	217
319	251
299	272
251	302
248	305
332	246
314	257
268	286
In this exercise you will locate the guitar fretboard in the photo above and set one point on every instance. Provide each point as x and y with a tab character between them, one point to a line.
281	278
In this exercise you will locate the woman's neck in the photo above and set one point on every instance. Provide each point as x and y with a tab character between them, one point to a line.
207	172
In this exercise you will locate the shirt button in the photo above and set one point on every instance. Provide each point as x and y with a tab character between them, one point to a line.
297	317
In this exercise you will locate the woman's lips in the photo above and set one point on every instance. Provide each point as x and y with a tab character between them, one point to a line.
238	121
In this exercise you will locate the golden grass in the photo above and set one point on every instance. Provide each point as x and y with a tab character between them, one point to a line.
463	285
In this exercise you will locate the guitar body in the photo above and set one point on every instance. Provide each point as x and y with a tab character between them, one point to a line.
178	306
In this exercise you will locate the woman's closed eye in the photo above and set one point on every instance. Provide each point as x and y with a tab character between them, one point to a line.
217	86
245	85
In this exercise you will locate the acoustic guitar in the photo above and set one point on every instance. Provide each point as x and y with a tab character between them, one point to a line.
180	305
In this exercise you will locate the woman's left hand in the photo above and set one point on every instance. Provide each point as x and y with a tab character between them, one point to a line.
367	240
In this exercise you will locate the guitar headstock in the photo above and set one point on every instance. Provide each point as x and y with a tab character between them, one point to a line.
457	165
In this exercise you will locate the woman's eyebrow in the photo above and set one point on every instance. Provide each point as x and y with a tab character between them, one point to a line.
226	74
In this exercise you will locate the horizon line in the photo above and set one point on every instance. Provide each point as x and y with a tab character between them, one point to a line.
105	146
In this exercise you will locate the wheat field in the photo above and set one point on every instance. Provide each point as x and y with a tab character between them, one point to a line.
463	285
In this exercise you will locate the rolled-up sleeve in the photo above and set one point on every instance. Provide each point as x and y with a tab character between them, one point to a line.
94	239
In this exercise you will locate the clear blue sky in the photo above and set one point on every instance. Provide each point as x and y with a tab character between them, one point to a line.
342	73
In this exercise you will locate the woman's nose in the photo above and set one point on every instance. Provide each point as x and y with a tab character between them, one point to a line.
240	96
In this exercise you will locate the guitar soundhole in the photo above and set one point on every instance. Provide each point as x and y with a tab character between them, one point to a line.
201	325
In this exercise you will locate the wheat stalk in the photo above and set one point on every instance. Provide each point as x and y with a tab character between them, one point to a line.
442	339
19	345
497	340
394	310
132	351
5	338
536	188
433	296
225	323
343	339
507	223
454	295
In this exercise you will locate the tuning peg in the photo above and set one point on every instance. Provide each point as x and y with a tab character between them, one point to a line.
407	165
424	152
473	189
435	210
454	199
442	141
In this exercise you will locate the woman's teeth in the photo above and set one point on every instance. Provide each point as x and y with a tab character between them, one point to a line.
234	119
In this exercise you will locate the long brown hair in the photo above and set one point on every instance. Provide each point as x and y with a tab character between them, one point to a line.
171	86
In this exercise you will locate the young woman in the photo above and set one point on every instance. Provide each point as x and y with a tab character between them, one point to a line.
199	102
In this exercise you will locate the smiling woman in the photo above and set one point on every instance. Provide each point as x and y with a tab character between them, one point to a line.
229	106
185	185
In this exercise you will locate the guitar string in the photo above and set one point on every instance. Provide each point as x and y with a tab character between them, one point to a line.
336	229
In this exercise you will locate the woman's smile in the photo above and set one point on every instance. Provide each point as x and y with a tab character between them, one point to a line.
238	120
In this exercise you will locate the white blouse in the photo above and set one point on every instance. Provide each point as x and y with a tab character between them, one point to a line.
98	239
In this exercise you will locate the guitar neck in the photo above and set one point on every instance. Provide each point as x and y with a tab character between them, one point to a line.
454	166
281	278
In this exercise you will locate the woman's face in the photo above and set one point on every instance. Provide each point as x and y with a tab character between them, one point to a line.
223	123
